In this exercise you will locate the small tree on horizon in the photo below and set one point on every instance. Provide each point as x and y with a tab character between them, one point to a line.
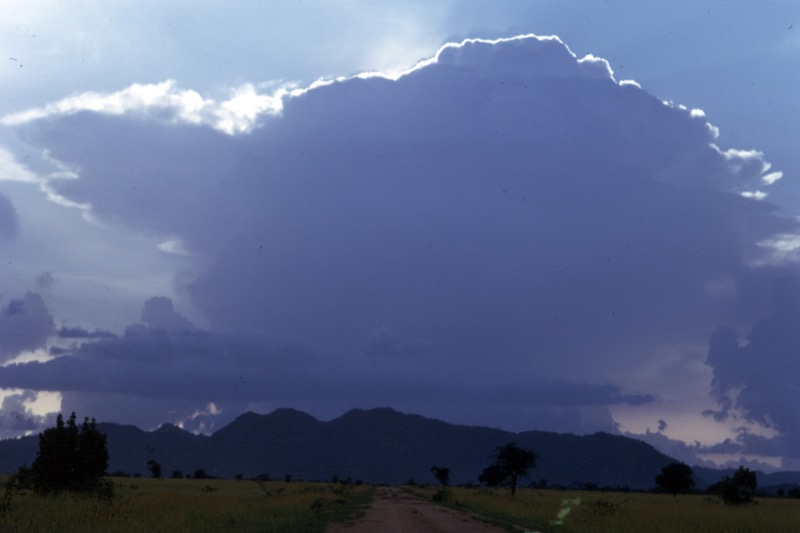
442	475
675	477
154	468
511	463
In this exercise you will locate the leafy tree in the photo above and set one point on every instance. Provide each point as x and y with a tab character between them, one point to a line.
739	489
510	463
675	477
154	468
70	458
442	475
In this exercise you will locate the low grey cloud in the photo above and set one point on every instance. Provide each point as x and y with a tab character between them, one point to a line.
16	416
761	450
505	223
159	314
44	281
68	332
748	444
194	368
25	324
758	376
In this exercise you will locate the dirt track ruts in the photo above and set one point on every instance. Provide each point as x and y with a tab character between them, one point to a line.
395	511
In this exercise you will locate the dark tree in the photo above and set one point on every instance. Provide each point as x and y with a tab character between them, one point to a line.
442	475
154	468
675	477
70	458
740	489
53	468
492	476
510	463
92	454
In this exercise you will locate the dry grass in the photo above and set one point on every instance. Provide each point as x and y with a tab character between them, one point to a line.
600	512
178	505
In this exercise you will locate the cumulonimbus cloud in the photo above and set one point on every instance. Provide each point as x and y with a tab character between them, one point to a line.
503	211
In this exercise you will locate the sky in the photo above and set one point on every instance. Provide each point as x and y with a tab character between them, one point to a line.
557	215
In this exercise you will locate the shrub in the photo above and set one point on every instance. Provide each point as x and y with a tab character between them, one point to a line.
739	489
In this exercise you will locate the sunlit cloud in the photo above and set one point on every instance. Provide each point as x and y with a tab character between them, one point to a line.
783	249
772	177
755	195
11	170
175	246
165	101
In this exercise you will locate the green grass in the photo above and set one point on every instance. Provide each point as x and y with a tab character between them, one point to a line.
183	505
601	512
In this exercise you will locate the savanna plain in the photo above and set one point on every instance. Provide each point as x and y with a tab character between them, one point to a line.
211	505
184	505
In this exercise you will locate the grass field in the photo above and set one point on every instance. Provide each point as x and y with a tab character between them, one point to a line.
601	512
183	505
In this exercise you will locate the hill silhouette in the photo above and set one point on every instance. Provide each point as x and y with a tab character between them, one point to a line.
375	446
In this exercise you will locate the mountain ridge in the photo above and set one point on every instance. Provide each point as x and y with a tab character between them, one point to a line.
378	445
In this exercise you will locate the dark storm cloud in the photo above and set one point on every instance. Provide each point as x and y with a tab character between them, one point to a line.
506	220
8	219
159	314
79	333
758	377
25	324
204	367
196	367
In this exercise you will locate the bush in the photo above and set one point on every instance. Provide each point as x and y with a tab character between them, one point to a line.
739	489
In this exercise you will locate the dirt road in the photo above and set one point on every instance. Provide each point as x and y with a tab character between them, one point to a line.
394	511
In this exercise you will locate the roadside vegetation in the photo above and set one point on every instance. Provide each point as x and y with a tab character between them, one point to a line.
571	511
